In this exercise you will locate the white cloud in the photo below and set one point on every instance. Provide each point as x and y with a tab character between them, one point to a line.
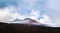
53	10
6	14
47	21
34	14
9	13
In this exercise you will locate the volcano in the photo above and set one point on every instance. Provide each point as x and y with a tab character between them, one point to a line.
27	21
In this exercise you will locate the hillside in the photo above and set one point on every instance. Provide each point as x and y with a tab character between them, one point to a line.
25	28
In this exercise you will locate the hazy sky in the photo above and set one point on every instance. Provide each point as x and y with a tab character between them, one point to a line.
44	11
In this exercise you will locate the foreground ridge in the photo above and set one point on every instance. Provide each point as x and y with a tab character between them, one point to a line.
23	28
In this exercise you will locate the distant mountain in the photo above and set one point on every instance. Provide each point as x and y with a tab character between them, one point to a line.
25	21
16	20
28	21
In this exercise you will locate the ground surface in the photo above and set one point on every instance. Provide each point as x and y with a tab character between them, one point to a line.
22	28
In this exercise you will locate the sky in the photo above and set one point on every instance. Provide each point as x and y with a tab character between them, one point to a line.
44	11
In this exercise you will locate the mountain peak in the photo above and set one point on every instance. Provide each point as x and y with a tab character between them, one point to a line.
16	20
31	20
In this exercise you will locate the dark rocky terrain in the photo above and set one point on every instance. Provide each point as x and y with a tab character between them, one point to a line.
24	28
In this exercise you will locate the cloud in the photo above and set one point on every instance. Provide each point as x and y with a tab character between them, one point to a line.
3	13
35	14
51	14
46	20
7	13
53	10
